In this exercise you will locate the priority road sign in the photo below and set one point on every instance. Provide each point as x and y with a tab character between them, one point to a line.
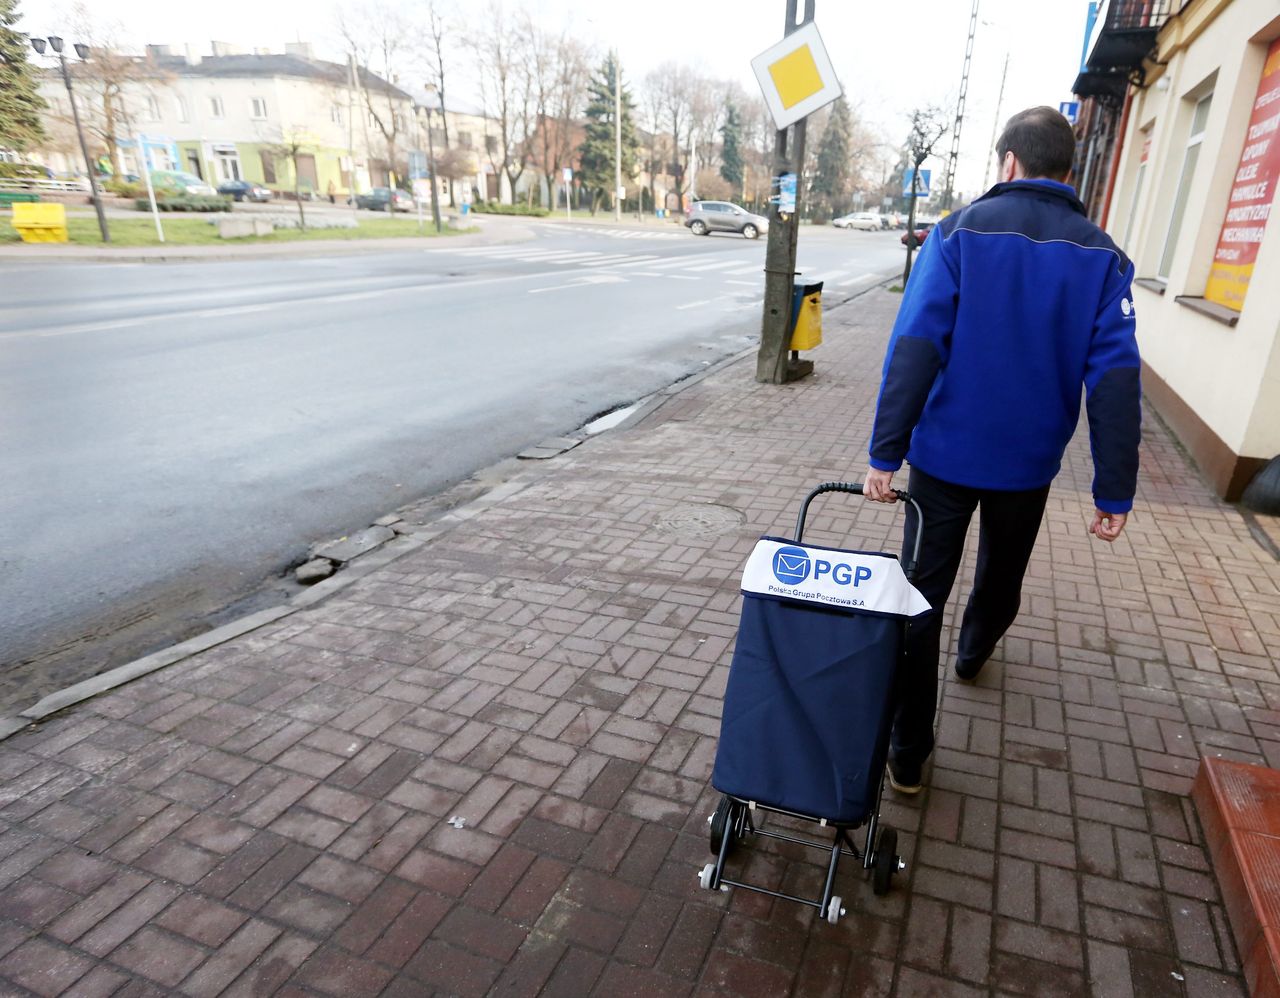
796	76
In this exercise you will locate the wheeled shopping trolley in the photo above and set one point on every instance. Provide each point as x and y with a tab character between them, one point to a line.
808	706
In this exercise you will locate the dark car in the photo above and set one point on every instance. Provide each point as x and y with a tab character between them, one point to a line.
922	230
246	190
385	199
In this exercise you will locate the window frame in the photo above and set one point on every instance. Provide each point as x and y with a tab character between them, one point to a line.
216	108
1182	192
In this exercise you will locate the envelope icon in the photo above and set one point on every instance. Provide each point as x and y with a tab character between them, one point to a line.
791	565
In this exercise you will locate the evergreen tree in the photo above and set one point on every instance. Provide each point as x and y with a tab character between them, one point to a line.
596	153
731	151
20	103
831	182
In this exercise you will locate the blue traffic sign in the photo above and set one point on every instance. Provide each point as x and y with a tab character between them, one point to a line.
921	187
1070	109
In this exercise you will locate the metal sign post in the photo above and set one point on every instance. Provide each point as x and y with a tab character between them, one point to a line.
568	192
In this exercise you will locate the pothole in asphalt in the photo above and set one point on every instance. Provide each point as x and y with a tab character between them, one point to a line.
702	520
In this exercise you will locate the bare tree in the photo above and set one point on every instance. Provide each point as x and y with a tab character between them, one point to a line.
438	28
293	143
380	36
502	71
671	83
558	70
105	81
928	125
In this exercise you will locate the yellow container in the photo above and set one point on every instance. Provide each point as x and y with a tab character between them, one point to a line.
41	223
807	331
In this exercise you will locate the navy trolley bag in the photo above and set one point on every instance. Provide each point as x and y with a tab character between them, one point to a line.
808	706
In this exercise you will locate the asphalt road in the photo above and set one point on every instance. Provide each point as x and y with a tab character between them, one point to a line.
174	436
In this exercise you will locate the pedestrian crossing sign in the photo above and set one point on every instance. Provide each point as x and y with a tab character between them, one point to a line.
796	76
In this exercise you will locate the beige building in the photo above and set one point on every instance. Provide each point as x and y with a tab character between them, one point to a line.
1195	185
226	116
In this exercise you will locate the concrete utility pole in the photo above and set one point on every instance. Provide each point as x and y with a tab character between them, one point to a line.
431	159
617	138
949	193
995	128
773	365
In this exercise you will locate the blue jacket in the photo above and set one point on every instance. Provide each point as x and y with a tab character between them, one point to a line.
1016	302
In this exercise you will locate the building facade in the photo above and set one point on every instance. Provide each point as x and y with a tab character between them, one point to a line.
237	116
1197	162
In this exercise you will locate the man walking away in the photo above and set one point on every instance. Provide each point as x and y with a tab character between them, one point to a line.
1017	301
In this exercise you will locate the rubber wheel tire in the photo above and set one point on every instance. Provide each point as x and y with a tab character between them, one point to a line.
833	909
705	875
722	822
750	231
886	862
698	228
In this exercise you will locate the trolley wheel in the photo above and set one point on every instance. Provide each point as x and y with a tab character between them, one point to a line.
723	822
885	864
835	909
705	875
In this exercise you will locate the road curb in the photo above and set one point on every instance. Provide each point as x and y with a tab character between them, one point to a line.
358	568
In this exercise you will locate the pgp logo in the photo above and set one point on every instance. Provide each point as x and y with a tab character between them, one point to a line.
791	566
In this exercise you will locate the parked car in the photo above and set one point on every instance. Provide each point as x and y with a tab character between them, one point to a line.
246	190
180	182
867	221
385	199
706	217
922	230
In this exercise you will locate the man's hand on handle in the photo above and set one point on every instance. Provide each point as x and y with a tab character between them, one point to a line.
1107	526
878	486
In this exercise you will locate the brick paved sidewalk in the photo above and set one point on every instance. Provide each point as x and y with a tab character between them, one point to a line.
272	816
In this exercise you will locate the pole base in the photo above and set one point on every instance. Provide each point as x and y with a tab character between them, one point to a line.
797	369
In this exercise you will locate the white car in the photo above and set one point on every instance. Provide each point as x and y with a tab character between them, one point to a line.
866	220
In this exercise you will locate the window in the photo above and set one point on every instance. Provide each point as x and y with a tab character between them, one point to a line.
184	112
257	107
1137	189
464	140
491	144
215	106
153	108
335	114
1194	140
268	168
437	136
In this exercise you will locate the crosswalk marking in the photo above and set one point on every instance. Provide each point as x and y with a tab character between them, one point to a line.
610	233
713	265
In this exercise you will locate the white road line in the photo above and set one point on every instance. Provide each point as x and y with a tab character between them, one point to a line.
627	260
587	281
755	268
311	299
749	284
713	265
696	304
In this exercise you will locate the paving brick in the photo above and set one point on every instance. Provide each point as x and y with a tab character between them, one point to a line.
159	957
43	968
201	919
409	929
453	970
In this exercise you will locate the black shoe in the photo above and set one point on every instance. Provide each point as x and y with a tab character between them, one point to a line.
904	779
967	671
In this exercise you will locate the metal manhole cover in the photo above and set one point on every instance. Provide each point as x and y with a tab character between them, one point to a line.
703	520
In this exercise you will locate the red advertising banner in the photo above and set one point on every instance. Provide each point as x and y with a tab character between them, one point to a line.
1251	194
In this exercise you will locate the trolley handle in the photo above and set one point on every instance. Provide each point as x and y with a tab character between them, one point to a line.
855	488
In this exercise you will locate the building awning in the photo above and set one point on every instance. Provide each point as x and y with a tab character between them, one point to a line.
1106	84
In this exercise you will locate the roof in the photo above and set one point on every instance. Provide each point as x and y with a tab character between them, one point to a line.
273	65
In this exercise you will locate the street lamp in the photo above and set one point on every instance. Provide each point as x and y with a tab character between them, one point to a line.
55	43
431	156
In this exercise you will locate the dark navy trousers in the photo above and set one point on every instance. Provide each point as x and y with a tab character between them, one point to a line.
1008	525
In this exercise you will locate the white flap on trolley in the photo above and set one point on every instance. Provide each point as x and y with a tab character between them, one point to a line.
841	579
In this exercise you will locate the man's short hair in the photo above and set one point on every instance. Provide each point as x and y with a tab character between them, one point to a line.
1043	141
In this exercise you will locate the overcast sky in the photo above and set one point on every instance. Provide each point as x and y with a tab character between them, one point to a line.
890	56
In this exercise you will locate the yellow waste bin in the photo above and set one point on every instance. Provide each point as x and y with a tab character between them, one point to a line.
40	223
806	316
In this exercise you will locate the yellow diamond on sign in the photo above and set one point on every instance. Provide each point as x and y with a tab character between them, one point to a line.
796	76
